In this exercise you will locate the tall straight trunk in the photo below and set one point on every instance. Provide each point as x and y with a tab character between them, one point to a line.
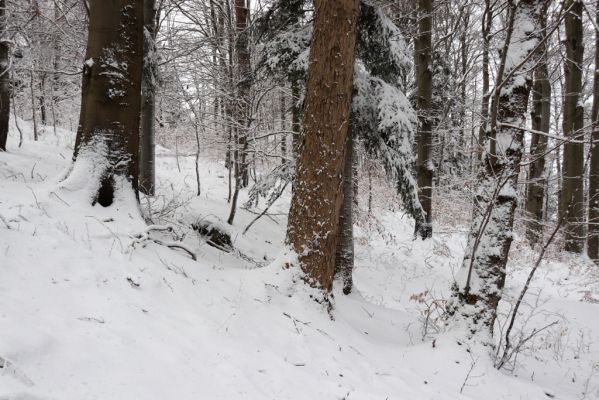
313	225
4	80
464	48
593	242
344	259
480	282
572	193
541	120
242	104
108	131
484	112
147	179
283	127
296	116
424	85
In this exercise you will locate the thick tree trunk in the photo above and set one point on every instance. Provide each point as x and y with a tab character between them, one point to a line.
108	131
4	81
541	120
345	247
148	105
593	242
424	84
481	279
316	203
571	198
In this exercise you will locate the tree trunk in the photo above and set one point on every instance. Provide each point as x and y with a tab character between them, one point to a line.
243	101
480	282
484	112
541	120
573	155
593	242
147	172
4	81
108	132
424	84
242	104
313	225
345	246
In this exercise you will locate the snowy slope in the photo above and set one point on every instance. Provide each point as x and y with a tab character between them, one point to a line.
85	313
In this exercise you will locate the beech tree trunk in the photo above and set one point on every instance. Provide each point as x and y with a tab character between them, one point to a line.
345	247
572	195
541	120
4	81
108	129
242	105
593	242
313	225
480	282
147	171
484	112
424	84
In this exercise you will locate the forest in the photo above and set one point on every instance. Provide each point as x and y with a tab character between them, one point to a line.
299	199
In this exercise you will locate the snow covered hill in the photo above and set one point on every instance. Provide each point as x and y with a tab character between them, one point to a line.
90	311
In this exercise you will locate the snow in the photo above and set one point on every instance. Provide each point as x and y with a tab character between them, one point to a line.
84	314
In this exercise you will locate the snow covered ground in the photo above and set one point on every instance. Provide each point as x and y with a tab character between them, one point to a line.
88	313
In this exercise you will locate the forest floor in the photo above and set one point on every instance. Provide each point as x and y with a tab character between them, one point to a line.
88	311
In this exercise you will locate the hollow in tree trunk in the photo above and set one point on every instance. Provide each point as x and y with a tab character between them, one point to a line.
107	142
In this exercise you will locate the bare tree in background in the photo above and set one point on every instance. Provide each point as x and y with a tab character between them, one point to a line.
424	85
571	197
4	78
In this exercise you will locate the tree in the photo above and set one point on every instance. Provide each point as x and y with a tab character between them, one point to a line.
316	203
148	105
4	78
541	120
424	79
480	282
107	142
242	103
344	259
571	196
593	242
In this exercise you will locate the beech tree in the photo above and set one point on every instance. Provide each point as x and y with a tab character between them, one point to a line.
424	87
541	120
4	77
481	279
316	203
107	142
572	194
593	240
148	105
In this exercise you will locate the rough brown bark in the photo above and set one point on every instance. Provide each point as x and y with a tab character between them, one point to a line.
316	203
148	104
4	81
345	246
571	196
424	84
593	242
111	93
541	119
